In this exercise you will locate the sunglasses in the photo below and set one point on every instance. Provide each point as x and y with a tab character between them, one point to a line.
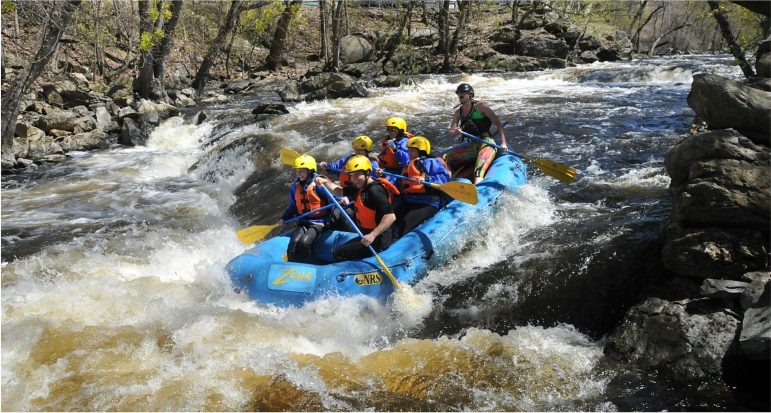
392	129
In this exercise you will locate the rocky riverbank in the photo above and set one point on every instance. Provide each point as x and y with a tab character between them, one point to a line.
713	319
75	112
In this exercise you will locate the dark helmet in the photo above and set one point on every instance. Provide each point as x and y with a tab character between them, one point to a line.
465	88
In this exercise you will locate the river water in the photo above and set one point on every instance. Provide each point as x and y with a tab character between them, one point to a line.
114	296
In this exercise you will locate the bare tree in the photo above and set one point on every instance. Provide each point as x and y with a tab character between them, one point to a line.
324	29
58	15
725	29
396	40
202	76
162	59
337	22
236	7
279	39
154	52
670	24
464	8
145	75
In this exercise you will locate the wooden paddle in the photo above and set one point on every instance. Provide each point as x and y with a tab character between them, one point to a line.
258	232
461	191
358	231
554	169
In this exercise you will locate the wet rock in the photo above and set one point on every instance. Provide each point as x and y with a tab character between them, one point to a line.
238	86
270	108
103	119
720	178
755	337
757	284
542	46
198	118
723	288
663	335
725	104
127	112
588	57
362	70
92	140
763	65
713	252
131	134
122	95
616	52
58	119
323	86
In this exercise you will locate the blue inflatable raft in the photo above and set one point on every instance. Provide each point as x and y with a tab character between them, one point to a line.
262	273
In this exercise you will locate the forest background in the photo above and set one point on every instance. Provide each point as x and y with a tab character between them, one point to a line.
151	41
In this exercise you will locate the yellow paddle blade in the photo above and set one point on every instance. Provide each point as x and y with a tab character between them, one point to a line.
461	191
554	169
255	233
288	156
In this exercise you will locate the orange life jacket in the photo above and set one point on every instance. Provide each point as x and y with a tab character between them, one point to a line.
307	199
365	217
412	171
387	156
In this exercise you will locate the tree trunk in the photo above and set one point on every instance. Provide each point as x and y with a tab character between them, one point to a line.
397	40
60	14
279	39
444	28
145	76
518	27
725	28
324	29
514	12
464	7
636	37
161	54
202	76
635	19
337	22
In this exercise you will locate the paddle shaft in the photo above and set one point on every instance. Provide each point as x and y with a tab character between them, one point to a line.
459	191
492	144
358	231
389	174
461	145
308	213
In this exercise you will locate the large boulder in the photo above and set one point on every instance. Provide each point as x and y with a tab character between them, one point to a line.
684	343
615	48
713	252
542	45
58	119
720	178
323	86
724	104
755	337
355	48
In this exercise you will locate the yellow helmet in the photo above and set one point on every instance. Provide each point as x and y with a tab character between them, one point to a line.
358	163
305	161
420	143
397	122
362	142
